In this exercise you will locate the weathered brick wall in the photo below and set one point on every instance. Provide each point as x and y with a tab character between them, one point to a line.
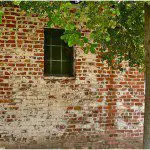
98	108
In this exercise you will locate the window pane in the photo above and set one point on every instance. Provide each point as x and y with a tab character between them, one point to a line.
58	57
67	68
67	54
56	53
64	43
56	67
47	53
47	38
56	34
46	67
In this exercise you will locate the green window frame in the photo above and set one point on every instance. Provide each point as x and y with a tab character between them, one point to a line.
58	56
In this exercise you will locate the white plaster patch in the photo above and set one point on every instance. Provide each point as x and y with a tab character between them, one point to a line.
137	108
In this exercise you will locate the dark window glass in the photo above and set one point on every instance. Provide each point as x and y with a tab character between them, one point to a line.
58	57
56	53
67	53
56	67
47	52
67	68
48	38
56	38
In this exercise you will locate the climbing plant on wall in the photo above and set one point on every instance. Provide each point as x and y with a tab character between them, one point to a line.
118	26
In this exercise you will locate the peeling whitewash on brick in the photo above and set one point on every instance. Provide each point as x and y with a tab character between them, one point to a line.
98	108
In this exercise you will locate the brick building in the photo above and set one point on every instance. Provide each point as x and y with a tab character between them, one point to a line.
81	103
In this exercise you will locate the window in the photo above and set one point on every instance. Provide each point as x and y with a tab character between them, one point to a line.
58	57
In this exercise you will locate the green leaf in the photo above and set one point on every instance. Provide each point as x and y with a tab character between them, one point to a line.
70	42
1	14
85	40
86	50
80	43
49	24
0	19
112	24
107	38
17	2
93	47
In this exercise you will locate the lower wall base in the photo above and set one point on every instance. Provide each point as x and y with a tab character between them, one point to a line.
70	144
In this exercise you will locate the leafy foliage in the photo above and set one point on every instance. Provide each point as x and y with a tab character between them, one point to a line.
1	14
117	26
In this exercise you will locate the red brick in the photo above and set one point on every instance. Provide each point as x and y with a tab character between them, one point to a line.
20	65
11	25
5	101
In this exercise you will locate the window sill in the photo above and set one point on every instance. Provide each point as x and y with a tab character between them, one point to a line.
59	78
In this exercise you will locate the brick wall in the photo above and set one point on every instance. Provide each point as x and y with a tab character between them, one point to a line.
98	108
